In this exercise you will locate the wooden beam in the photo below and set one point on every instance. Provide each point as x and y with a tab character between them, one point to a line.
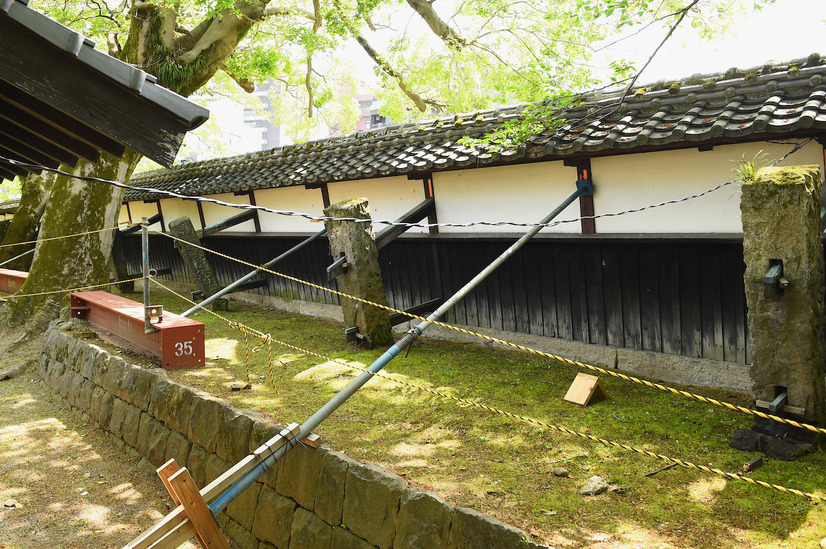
175	528
202	519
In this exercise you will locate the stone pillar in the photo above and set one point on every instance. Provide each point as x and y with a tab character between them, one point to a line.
781	222
362	277
196	261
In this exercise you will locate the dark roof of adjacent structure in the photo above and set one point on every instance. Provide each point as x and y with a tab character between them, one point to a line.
61	99
772	101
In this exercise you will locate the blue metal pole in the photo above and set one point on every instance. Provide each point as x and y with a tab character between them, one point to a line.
583	188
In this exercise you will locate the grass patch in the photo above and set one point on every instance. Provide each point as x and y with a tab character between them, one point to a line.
504	467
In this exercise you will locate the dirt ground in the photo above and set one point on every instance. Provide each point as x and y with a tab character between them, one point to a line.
64	482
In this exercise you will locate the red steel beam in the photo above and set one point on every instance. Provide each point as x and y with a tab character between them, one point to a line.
179	341
11	280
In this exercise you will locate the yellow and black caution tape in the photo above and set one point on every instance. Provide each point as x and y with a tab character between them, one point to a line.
524	419
620	375
68	290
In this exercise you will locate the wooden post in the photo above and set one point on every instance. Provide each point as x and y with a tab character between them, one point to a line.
362	277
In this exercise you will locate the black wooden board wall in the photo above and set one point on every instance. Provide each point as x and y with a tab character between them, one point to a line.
677	297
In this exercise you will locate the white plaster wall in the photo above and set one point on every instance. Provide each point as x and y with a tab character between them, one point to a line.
388	197
296	199
636	180
123	216
214	213
173	208
140	209
523	194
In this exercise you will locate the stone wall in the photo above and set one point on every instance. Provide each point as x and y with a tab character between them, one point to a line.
313	498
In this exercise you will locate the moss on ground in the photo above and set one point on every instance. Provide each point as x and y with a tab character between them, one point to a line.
503	467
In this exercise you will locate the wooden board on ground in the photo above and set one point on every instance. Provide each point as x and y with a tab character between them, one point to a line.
585	387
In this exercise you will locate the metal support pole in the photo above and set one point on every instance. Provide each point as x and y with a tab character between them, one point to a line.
248	276
24	254
147	319
583	188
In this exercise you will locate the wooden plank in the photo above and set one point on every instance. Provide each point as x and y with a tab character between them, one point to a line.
563	292
631	320
711	303
612	296
506	294
548	290
733	313
650	320
166	471
592	263
584	388
480	294
690	318
669	279
471	301
533	289
197	511
579	297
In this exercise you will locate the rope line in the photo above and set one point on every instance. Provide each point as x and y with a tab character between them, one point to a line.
576	363
518	417
18	295
57	237
315	218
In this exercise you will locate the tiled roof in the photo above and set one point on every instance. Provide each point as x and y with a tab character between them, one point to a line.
766	102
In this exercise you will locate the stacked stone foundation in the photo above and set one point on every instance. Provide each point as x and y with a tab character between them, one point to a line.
311	498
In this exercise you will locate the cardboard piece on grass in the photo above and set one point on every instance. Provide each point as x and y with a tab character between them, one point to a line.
584	387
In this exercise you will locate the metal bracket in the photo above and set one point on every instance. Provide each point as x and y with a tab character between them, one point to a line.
585	187
774	282
337	268
778	403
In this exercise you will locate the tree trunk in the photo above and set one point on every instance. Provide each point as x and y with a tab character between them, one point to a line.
24	224
75	206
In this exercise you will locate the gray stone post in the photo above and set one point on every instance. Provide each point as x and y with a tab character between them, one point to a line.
362	277
196	261
781	222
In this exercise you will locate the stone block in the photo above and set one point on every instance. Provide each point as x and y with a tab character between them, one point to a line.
152	440
345	539
125	422
242	508
84	398
471	529
113	376
100	368
371	503
204	417
298	474
66	381
158	397
197	465
55	374
74	388
332	479
241	537
177	448
178	407
263	431
136	387
233	438
91	361
273	518
101	406
215	468
310	532
424	521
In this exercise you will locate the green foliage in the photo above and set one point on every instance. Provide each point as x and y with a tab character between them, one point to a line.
9	190
746	170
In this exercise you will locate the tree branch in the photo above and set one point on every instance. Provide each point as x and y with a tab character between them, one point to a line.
437	24
273	11
389	71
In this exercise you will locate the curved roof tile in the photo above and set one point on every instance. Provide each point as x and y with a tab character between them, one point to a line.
753	104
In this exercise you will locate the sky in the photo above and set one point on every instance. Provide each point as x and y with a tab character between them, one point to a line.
786	30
